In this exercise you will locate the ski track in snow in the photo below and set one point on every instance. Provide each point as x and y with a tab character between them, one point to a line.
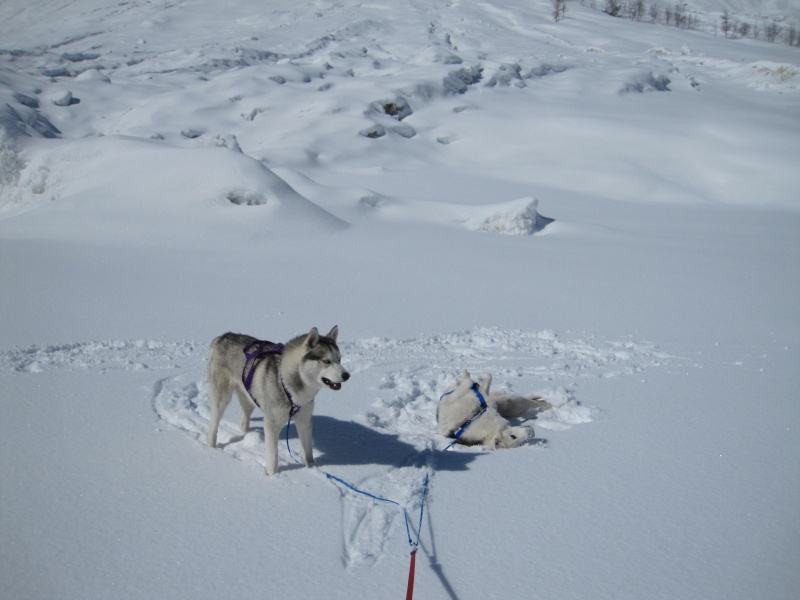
408	377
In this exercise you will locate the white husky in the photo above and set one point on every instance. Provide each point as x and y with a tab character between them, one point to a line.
281	380
470	413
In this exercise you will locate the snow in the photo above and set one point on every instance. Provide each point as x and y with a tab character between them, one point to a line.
600	211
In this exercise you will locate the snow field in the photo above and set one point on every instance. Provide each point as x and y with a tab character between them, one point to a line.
599	211
398	431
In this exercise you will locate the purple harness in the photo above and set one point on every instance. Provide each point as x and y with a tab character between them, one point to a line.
254	352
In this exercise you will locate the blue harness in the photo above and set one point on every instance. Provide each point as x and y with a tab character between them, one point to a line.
484	407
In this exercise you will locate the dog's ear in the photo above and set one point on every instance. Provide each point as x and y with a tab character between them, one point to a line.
465	376
464	384
334	333
313	338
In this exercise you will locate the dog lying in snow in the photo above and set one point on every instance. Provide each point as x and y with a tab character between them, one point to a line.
472	414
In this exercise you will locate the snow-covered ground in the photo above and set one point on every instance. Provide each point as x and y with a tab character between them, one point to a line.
601	211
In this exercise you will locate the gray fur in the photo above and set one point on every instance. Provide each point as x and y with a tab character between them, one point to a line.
307	364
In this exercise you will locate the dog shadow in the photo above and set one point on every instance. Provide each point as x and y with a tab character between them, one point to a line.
236	439
348	443
339	442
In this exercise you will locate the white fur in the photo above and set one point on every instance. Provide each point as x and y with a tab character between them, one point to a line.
492	428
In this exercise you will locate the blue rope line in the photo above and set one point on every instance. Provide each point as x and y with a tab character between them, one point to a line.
353	488
374	497
358	491
422	507
288	447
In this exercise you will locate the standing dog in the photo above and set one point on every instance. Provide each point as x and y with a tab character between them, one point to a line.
281	380
471	413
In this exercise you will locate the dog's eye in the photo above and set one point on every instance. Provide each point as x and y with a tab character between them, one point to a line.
326	361
513	437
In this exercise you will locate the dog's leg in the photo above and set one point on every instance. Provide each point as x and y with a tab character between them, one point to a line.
514	406
302	421
219	396
485	383
271	437
247	406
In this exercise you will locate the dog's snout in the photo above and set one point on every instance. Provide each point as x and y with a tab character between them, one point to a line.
345	376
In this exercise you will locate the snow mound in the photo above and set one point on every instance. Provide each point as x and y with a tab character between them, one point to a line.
121	185
23	120
515	217
518	217
19	108
646	81
459	80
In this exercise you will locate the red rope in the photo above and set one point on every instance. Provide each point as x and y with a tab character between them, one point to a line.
410	591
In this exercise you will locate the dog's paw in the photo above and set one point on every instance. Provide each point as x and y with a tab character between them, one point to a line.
485	382
513	437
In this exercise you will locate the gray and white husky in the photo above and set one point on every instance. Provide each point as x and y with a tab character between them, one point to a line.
280	379
472	414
